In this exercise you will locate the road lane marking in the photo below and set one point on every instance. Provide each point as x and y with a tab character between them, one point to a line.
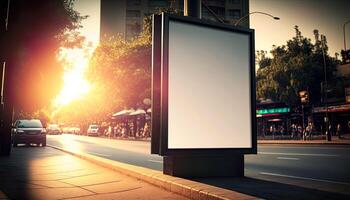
298	154
304	178
156	161
287	158
99	154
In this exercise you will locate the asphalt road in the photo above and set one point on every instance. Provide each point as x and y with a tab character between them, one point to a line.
308	171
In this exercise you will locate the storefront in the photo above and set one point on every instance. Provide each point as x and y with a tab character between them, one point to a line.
338	114
273	119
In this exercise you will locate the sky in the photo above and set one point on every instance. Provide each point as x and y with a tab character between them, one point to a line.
91	25
328	16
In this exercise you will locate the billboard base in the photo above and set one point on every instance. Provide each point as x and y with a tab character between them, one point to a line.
204	166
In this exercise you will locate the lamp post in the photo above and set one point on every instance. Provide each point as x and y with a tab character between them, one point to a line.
344	34
256	12
329	136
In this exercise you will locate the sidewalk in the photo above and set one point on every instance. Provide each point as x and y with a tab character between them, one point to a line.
46	173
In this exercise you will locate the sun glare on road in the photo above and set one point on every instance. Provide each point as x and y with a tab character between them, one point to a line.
75	85
70	144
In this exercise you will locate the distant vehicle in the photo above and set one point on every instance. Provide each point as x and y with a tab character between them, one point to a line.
71	130
74	130
65	130
53	129
92	130
27	132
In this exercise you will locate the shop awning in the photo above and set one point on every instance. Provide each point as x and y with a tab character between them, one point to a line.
338	108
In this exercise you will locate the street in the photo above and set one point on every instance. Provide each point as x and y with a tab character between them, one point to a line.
321	168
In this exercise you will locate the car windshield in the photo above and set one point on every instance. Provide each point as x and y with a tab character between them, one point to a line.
93	126
29	124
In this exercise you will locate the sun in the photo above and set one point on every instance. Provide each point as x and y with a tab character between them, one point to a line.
75	85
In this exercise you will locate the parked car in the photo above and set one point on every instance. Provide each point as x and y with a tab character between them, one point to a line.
92	130
26	131
54	129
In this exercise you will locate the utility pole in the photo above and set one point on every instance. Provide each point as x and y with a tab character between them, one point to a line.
347	22
6	82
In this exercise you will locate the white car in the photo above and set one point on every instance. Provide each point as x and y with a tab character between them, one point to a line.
54	129
92	130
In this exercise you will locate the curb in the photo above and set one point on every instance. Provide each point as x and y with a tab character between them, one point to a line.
181	186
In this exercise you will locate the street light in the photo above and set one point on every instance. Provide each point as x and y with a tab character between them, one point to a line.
256	12
344	34
329	136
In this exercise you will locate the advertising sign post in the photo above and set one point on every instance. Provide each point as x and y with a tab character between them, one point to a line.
203	96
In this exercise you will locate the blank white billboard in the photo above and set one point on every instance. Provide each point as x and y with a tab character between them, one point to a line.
209	102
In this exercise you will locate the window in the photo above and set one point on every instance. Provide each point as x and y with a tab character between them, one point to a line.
219	11
133	2
234	1
215	2
29	124
133	13
158	3
234	14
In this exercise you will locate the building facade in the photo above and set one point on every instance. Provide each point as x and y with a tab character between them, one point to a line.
125	17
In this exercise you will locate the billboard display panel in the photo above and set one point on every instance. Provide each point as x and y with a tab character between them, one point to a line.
209	101
203	87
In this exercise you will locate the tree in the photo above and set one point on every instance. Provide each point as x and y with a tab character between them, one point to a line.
120	75
296	66
35	31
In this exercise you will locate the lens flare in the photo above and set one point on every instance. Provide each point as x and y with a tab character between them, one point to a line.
75	85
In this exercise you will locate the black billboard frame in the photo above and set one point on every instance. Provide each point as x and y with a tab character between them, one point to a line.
160	41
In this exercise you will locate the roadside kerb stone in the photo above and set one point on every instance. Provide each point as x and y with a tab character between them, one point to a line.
302	142
184	187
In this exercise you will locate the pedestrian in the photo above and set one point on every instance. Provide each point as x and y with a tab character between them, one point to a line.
115	128
294	131
339	131
308	131
282	130
300	131
330	130
109	132
311	129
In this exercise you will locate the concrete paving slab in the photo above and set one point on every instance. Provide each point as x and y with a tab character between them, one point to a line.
91	179
141	193
36	173
51	184
114	187
184	187
57	193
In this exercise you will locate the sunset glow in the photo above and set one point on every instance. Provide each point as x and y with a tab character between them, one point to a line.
75	84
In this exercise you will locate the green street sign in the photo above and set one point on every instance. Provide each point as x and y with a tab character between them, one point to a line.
272	111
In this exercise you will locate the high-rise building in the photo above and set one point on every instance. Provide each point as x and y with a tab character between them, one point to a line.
125	17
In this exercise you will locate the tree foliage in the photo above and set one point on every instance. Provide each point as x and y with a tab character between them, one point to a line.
120	76
36	31
294	67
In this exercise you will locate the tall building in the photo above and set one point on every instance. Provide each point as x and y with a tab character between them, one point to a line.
125	17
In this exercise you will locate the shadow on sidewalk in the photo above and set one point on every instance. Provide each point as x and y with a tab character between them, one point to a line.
270	190
17	171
